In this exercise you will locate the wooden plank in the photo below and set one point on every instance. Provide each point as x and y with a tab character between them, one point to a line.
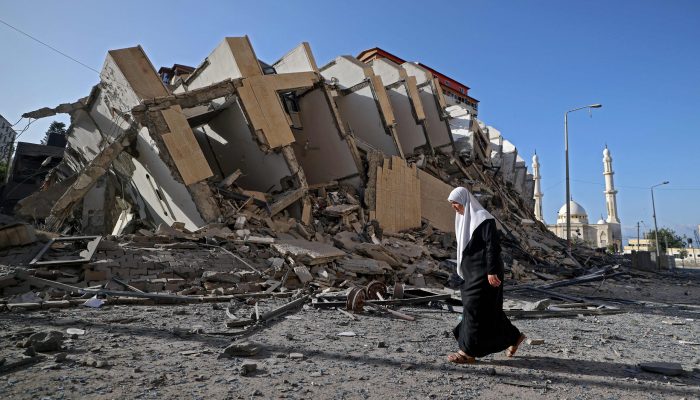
291	81
139	72
383	99
286	200
228	181
245	57
278	133
252	110
413	94
437	91
183	147
306	212
260	99
397	205
433	202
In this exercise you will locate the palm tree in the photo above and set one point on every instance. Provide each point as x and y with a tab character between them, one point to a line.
56	128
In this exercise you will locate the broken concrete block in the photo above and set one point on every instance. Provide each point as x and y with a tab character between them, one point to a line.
535	342
217	276
378	253
303	274
44	341
310	253
537	305
340	210
240	222
242	233
248	368
346	240
241	349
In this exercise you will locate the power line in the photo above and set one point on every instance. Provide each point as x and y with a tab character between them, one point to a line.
637	187
49	46
553	186
72	59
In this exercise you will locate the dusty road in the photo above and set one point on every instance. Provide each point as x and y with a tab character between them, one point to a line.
141	352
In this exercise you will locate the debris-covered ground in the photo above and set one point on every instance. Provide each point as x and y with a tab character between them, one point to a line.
297	258
178	351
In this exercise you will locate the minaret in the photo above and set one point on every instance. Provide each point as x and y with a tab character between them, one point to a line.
538	190
610	192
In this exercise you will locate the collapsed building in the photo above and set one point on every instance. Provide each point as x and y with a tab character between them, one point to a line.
353	154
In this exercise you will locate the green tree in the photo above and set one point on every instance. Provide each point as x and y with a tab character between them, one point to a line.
55	128
666	235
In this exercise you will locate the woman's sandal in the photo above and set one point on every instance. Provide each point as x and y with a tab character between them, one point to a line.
510	352
461	358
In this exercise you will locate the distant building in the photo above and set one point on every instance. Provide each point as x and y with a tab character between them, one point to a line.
7	138
643	245
30	165
455	92
692	255
170	76
605	232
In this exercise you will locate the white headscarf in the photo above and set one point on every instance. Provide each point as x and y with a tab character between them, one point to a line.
465	225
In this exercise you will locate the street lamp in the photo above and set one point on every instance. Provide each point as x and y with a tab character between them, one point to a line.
566	152
656	228
638	234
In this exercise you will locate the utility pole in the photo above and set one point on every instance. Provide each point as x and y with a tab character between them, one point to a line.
656	228
637	236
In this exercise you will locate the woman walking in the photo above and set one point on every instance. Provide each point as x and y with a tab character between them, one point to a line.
484	328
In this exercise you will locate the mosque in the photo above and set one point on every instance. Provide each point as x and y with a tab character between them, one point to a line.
601	234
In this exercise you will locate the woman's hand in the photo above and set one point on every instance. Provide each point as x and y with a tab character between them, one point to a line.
494	281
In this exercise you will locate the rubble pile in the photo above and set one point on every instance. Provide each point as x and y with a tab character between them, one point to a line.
240	177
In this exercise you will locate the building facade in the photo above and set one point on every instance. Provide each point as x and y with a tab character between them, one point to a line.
7	139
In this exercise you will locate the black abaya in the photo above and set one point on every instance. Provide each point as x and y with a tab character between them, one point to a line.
484	328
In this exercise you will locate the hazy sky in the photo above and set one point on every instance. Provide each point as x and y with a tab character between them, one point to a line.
528	62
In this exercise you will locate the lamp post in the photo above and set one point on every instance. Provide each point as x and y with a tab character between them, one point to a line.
638	235
566	153
656	228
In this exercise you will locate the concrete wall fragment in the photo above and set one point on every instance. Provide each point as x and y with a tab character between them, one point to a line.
433	202
509	155
396	195
324	149
364	105
159	188
406	104
252	132
434	105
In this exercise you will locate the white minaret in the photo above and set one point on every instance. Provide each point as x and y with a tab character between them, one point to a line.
610	192
538	190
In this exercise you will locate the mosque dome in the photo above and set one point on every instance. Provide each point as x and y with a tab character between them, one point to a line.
576	209
578	213
601	222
